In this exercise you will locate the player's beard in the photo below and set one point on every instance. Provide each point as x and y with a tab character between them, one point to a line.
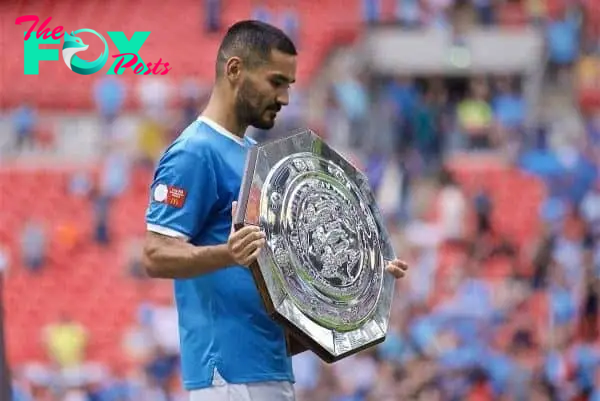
250	109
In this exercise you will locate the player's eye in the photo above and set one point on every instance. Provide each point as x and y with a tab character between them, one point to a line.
278	83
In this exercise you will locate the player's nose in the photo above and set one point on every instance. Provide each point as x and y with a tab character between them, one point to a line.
283	99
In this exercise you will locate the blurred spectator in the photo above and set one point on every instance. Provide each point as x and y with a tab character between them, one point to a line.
80	185
101	211
475	116
542	256
537	11
569	173
151	141
66	342
485	12
19	394
568	253
212	15
463	18
113	181
154	94
593	130
134	252
426	121
290	23
356	375
191	94
403	95
109	96
68	236
397	348
115	173
261	12
24	120
163	323
307	369
408	13
138	343
437	15
590	209
508	103
423	240
351	94
385	389
33	245
161	369
389	194
337	129
585	359
563	41
452	208
371	11
4	261
521	377
483	211
562	302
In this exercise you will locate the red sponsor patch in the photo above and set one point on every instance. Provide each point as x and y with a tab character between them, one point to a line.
176	197
170	195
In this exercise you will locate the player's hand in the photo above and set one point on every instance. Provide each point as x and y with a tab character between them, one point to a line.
397	268
246	243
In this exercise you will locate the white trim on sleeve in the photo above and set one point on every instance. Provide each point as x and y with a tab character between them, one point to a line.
169	232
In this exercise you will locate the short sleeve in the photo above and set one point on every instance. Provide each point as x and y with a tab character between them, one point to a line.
182	193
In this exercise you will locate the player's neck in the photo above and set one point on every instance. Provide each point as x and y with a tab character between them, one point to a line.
224	116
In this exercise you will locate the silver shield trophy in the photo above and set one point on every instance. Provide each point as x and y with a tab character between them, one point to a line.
322	273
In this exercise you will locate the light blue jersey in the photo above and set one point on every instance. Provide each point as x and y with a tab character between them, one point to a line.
222	321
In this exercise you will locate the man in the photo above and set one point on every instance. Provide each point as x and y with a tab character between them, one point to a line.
230	348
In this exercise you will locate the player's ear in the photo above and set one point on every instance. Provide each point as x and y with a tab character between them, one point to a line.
233	68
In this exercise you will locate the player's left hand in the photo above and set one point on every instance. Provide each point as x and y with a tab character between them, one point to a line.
397	268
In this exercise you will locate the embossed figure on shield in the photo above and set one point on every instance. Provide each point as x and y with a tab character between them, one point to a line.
331	241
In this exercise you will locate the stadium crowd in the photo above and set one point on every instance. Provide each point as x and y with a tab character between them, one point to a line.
484	314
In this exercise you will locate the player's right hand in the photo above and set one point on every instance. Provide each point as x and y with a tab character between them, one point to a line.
246	243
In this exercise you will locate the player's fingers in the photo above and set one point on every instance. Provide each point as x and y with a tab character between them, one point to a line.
242	233
400	264
239	243
395	271
252	247
250	259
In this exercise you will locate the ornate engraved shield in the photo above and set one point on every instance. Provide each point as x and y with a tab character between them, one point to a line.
322	274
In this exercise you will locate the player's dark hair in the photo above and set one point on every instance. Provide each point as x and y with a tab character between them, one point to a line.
252	41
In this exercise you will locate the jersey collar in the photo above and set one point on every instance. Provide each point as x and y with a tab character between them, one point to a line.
221	130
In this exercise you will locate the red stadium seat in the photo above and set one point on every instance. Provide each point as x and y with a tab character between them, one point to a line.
89	281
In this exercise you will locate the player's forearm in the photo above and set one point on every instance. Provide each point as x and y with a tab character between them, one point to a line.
178	259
